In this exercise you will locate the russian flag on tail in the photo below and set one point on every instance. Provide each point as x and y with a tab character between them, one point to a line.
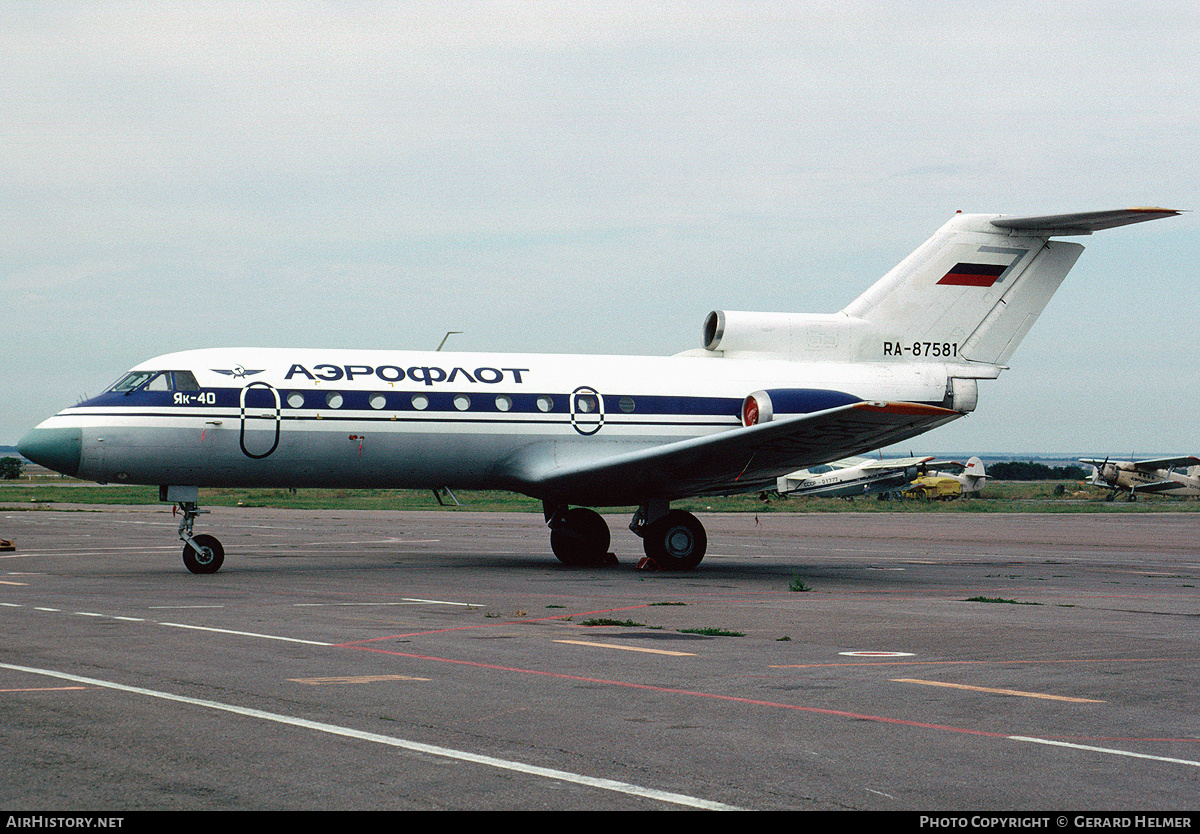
973	275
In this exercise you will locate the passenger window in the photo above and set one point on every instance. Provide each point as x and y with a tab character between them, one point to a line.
586	404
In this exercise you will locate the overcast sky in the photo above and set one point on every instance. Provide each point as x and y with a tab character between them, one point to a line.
591	178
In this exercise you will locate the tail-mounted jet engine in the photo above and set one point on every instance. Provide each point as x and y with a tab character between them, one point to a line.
765	406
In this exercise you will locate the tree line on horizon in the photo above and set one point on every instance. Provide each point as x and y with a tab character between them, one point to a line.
1015	470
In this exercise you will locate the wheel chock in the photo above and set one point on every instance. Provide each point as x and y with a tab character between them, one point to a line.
646	563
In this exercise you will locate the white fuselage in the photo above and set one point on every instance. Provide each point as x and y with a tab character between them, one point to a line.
354	418
847	482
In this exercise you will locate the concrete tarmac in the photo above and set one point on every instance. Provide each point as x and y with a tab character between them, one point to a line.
445	660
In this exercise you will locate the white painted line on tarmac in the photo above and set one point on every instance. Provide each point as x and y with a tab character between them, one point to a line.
1105	750
403	601
404	744
247	634
438	601
180	607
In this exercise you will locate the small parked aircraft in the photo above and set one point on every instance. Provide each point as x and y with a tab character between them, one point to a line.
852	477
1161	476
971	476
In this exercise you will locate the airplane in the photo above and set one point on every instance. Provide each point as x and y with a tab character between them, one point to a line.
852	477
767	394
970	476
1154	476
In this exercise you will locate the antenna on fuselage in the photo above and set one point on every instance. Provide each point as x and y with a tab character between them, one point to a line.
449	333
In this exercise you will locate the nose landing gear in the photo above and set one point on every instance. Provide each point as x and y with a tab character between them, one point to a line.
202	553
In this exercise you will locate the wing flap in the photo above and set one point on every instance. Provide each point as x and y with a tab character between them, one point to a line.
733	461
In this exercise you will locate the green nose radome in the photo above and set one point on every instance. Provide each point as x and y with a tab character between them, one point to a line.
59	449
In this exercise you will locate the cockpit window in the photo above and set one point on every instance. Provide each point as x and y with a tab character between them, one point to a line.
132	380
162	382
186	381
156	381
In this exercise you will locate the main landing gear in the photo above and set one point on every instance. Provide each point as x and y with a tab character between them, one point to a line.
202	553
673	539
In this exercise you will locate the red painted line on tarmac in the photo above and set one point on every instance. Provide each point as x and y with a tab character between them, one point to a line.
46	689
667	690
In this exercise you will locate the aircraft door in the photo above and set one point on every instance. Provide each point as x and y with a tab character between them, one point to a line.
260	420
587	410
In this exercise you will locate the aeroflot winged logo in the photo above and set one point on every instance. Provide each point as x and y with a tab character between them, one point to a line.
237	372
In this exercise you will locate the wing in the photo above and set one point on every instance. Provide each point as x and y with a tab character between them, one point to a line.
727	462
1159	486
1158	463
897	463
1166	463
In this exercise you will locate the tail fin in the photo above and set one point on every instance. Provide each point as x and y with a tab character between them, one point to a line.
975	468
973	290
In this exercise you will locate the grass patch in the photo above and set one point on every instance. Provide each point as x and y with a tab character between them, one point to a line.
999	599
799	585
712	632
602	621
1000	497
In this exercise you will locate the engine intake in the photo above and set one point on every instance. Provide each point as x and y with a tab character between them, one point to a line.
765	406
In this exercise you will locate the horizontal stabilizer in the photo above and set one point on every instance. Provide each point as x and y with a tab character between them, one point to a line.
1081	223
